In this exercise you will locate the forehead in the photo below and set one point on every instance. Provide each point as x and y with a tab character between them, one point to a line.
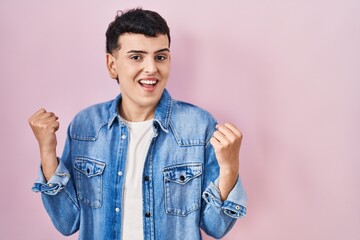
134	41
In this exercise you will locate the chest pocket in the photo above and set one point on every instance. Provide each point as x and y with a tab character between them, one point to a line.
88	178
182	184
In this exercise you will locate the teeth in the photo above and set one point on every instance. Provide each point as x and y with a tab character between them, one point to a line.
148	81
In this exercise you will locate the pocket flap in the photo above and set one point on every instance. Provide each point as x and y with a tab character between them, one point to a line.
89	167
182	173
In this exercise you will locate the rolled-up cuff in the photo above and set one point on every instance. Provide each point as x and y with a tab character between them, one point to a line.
56	183
235	204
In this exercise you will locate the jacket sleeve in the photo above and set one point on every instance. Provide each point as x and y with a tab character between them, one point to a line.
59	194
217	216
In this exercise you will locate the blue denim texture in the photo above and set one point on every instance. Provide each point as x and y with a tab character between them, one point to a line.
180	193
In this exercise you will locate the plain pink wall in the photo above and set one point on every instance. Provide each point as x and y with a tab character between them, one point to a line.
286	72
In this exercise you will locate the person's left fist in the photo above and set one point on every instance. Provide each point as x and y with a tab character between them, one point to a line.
226	141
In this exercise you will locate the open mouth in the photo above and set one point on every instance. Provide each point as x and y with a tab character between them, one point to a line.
146	83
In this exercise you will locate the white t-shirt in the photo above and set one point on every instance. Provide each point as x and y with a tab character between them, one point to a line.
140	135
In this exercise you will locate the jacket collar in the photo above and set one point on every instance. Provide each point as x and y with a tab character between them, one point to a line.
162	111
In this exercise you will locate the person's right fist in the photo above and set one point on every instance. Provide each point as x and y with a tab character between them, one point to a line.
44	125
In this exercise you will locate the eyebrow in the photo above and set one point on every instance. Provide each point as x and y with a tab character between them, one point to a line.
144	52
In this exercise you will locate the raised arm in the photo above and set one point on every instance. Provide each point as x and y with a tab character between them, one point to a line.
44	125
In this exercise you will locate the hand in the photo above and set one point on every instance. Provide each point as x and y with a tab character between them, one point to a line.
44	125
226	142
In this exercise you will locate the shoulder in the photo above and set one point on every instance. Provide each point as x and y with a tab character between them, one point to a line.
89	121
183	110
191	123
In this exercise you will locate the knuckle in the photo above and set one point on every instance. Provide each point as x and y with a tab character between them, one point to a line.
221	147
213	141
52	130
34	123
232	138
43	125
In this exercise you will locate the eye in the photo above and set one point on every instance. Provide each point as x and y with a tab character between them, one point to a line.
136	57
160	58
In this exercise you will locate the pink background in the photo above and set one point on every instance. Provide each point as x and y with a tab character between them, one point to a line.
286	72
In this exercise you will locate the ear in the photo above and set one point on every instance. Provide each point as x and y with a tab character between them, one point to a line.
111	65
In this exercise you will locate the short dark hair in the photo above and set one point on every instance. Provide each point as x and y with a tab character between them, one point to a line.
136	20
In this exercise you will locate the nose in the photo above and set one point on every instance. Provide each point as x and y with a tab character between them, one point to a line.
150	66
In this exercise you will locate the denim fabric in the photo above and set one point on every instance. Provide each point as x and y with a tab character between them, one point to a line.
180	192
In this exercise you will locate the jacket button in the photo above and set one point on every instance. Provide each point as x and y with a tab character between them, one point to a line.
147	214
123	136
182	178
146	178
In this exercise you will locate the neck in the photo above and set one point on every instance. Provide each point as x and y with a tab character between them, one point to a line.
136	114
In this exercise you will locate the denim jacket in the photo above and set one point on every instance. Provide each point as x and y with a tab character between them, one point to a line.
180	193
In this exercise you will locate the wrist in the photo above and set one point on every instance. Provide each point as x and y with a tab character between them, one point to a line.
47	151
227	180
229	170
49	166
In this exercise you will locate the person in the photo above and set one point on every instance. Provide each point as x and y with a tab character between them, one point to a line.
144	165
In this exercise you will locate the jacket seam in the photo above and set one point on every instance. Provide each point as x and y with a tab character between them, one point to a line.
88	138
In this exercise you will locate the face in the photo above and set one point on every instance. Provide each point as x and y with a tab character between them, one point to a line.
142	66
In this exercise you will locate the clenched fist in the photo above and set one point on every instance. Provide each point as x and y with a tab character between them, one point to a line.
226	142
44	125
